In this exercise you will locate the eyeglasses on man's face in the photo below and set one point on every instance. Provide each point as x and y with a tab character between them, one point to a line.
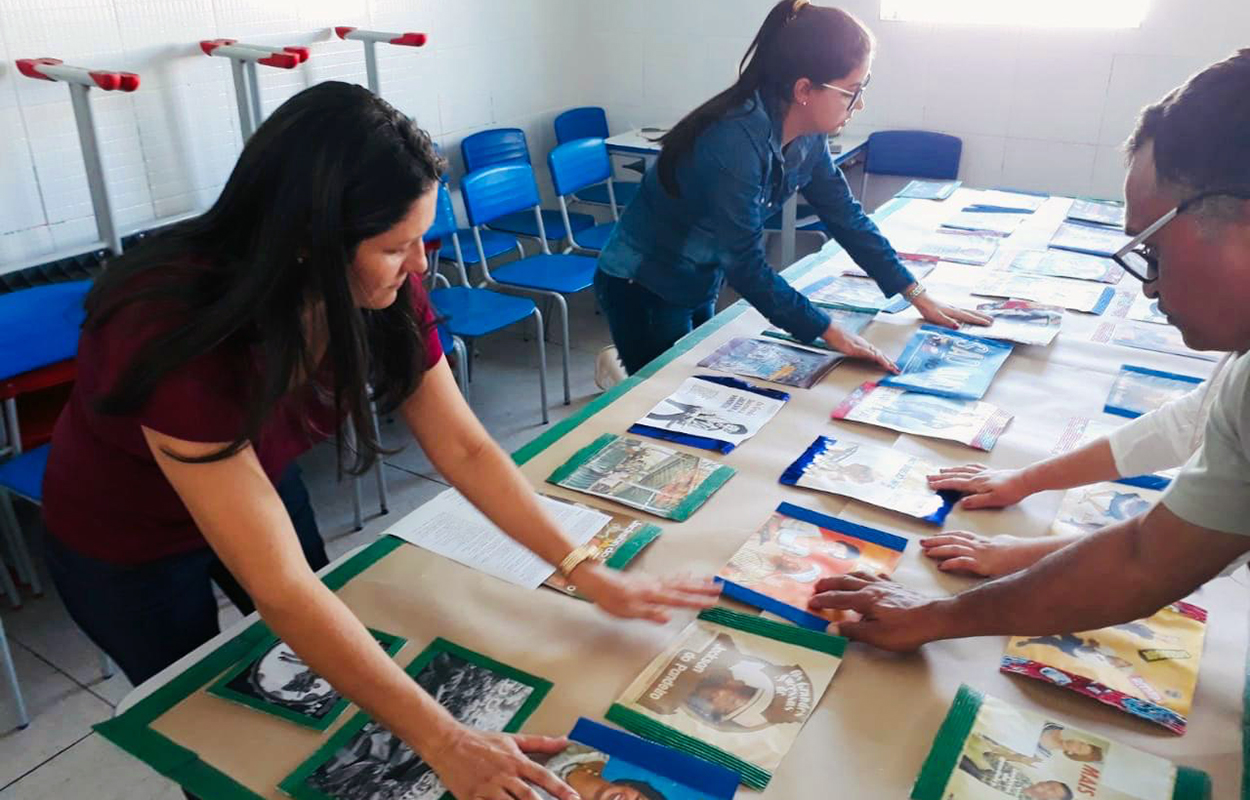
1141	259
854	95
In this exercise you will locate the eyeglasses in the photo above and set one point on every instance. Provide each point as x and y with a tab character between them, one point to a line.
1140	259
855	95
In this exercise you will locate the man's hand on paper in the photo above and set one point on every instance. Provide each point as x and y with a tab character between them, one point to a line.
892	616
638	596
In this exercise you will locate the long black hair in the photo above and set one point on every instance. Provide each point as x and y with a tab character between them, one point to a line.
797	40
332	166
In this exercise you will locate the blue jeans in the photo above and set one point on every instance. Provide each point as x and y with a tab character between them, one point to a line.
148	616
643	324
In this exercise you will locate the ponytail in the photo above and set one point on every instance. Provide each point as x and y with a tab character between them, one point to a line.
796	40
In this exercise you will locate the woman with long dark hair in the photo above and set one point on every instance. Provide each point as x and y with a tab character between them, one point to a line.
214	353
729	165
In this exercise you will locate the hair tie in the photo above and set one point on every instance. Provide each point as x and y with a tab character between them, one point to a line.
796	8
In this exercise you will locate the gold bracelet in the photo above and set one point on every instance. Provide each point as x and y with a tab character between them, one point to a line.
575	558
914	292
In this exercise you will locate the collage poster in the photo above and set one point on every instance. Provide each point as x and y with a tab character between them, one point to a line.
712	413
1083	296
847	319
971	422
1093	239
1138	390
948	363
960	247
1086	509
1157	338
1067	264
773	361
857	294
1021	321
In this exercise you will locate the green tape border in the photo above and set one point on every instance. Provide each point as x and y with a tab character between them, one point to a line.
749	774
780	631
1191	784
699	496
947	745
633	546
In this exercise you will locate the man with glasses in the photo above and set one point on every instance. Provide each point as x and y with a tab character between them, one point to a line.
1188	196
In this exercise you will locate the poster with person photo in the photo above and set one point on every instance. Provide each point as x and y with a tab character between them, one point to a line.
871	474
1083	296
1067	264
948	363
1140	390
773	361
712	413
1020	321
659	480
733	689
970	422
1147	668
987	749
614	546
777	568
364	761
273	679
1086	509
602	763
856	294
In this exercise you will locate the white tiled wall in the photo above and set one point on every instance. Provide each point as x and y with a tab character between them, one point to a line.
169	146
1045	110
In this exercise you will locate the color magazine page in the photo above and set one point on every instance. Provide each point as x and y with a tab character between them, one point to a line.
970	422
948	363
777	568
871	474
1020	321
615	545
1139	390
659	480
1084	238
712	413
1007	200
919	266
364	761
733	689
773	361
987	749
1144	309
1098	212
1147	668
1086	509
993	223
1067	264
602	763
1089	298
929	190
849	320
856	294
960	247
1156	338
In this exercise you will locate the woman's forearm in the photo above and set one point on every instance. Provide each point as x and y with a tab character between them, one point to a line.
1090	463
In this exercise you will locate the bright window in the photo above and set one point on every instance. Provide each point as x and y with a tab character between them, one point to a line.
1051	14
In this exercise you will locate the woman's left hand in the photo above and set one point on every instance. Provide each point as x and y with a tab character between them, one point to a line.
637	596
947	316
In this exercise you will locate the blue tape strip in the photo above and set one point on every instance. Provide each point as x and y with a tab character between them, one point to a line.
1103	302
1156	482
702	776
738	383
1121	412
1158	373
690	440
862	532
736	591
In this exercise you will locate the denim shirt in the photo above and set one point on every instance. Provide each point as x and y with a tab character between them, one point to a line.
735	178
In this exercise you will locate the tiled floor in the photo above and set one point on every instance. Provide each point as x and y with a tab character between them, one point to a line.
59	757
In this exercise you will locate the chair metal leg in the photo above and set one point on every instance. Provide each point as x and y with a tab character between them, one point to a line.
13	434
462	367
10	674
107	668
542	360
7	584
349	435
564	344
25	565
379	468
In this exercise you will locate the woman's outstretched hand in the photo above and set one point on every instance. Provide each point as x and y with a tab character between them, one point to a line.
856	347
947	316
637	596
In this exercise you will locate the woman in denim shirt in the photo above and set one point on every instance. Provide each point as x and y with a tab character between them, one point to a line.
731	164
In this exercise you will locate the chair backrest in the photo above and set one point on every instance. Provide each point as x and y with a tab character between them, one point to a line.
577	164
587	122
444	224
492	192
918	154
495	146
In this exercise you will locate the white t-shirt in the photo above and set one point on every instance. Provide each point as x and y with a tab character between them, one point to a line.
1213	490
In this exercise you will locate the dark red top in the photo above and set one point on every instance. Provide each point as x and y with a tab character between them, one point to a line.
104	494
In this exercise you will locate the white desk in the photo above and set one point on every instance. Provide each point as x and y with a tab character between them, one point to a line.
853	146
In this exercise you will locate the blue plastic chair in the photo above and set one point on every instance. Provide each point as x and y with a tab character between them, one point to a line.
915	154
470	312
21	475
574	166
498	191
591	122
508	146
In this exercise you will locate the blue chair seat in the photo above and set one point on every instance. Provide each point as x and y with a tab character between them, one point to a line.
551	273
594	238
522	223
495	243
625	191
23	474
40	326
473	312
774	222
